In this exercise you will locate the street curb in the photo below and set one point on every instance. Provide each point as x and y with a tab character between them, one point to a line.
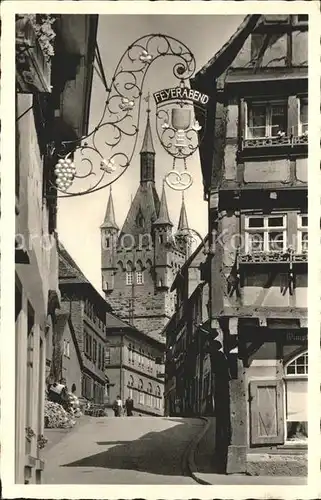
191	466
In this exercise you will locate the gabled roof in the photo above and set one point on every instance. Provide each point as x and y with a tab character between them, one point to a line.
69	271
146	204
115	324
225	56
71	274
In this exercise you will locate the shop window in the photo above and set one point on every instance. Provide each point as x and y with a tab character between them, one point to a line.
266	119
265	233
296	397
302	234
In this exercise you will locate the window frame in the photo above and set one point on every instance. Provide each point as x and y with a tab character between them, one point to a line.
297	376
302	229
265	229
268	116
139	277
129	278
302	100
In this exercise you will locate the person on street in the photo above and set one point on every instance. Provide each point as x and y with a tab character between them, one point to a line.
129	405
118	407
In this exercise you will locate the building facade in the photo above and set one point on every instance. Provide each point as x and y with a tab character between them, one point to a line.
255	177
66	358
44	118
87	310
133	367
188	376
140	261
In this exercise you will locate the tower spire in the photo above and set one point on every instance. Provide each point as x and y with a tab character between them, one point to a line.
163	215
109	221
147	153
183	222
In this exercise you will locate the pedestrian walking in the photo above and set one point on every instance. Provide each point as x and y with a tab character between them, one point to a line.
118	407
129	405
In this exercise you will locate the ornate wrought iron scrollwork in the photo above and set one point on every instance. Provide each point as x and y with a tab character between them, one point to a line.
119	119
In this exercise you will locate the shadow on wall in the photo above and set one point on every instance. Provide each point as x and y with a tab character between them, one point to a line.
151	453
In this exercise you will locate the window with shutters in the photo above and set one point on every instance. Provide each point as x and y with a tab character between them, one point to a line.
266	412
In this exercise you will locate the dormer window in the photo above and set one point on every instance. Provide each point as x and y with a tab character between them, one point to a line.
266	119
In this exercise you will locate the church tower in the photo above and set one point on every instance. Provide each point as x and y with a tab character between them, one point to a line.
141	266
109	232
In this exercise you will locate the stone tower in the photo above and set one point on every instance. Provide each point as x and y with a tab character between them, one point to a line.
140	262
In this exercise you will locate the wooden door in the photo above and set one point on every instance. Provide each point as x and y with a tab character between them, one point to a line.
266	412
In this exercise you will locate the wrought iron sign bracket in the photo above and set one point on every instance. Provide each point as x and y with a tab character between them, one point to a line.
106	152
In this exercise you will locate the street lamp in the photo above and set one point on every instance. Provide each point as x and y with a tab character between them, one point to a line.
106	152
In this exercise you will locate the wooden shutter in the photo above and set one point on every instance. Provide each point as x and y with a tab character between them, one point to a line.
267	412
242	119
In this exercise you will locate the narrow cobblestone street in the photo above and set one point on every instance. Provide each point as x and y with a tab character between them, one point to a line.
137	450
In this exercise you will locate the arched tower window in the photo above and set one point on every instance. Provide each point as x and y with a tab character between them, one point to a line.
296	397
129	273
139	273
141	394
140	219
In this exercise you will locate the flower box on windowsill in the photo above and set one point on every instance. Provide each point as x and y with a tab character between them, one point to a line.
272	258
274	142
33	70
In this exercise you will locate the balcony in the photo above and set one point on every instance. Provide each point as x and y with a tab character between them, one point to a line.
33	69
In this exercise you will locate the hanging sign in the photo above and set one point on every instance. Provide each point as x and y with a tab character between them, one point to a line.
180	124
181	93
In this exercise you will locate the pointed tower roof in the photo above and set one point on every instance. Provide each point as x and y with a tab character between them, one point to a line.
182	223
109	221
147	146
163	215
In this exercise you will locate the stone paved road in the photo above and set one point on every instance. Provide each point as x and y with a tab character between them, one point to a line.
135	450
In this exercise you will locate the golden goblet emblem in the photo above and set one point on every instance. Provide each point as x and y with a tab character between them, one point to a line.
181	119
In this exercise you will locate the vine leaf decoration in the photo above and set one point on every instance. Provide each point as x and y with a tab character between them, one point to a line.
105	154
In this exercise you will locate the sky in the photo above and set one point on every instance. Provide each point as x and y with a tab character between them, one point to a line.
79	218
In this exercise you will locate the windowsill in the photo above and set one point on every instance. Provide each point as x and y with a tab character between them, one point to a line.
299	444
258	144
